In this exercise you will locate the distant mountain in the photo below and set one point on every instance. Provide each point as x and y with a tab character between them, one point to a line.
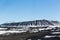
56	22
35	22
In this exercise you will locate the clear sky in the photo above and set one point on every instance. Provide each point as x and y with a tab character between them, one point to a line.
25	10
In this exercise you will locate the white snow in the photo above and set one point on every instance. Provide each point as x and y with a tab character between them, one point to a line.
56	33
49	36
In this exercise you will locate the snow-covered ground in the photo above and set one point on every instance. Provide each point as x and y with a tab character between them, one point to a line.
49	36
1	29
4	32
55	32
24	29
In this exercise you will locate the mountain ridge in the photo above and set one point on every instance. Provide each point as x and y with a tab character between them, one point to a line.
34	22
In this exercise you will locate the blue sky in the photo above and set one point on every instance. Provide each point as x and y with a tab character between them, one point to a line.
25	10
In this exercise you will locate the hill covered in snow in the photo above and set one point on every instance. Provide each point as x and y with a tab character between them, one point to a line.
35	22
